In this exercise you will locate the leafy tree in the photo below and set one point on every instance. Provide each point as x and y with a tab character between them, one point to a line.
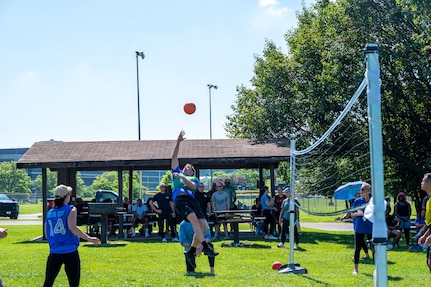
13	180
303	92
51	182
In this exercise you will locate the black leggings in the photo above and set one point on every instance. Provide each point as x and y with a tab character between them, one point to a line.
359	244
285	231
72	266
269	220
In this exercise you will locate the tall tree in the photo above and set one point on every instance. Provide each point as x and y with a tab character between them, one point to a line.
13	180
305	90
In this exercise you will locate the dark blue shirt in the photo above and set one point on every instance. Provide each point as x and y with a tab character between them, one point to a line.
360	223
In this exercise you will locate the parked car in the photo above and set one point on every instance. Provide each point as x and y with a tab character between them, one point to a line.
8	208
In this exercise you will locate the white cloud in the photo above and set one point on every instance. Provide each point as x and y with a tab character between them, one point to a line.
273	7
264	3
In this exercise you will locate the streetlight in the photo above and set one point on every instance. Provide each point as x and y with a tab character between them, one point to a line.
142	55
210	86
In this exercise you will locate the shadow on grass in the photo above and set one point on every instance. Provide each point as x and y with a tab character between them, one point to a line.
246	245
199	274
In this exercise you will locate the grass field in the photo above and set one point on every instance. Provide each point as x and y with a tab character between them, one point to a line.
326	256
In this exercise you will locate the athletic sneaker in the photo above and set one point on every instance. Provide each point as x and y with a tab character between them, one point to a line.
209	251
297	246
280	245
271	237
164	239
355	271
175	239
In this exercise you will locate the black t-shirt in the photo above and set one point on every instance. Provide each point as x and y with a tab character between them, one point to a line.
203	199
163	202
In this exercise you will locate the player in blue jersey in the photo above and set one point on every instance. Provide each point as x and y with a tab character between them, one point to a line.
63	237
184	185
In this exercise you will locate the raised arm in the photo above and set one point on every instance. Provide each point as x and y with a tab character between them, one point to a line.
175	162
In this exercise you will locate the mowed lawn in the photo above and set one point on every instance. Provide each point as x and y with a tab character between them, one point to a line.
327	256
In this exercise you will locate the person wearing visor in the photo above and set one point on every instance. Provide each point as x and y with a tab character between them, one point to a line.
184	185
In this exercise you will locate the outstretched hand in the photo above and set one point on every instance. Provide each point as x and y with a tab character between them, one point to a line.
181	136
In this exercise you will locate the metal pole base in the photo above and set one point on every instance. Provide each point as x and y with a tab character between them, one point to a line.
292	268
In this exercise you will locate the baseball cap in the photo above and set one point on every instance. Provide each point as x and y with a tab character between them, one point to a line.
62	190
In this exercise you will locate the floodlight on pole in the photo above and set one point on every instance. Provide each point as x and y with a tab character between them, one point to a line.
142	55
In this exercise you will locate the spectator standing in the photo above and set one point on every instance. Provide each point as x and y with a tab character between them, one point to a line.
231	192
165	211
204	200
279	198
362	226
140	216
402	212
213	189
186	237
284	219
426	237
220	202
184	185
267	206
63	237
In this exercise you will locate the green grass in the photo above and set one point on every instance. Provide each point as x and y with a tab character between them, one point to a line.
30	208
326	256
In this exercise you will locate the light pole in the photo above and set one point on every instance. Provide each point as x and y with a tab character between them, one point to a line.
210	86
142	55
138	54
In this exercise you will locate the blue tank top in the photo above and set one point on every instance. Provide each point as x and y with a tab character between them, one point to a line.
61	240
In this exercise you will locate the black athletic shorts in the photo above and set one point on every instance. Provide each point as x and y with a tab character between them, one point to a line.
185	204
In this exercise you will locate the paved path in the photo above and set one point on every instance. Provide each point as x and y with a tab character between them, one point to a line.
36	219
23	219
329	226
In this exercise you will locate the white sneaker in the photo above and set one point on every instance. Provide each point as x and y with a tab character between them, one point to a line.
164	239
175	239
296	246
266	236
272	237
280	245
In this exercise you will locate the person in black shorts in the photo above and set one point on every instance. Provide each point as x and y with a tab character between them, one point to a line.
165	210
184	185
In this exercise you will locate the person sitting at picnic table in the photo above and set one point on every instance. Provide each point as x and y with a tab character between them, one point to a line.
140	216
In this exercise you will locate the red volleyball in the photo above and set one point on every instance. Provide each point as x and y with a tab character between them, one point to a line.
189	108
276	265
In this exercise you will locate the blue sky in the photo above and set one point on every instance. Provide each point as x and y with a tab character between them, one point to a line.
68	68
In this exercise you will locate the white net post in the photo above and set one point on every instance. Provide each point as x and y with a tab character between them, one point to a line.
376	156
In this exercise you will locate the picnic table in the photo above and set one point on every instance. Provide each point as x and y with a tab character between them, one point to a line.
104	210
235	217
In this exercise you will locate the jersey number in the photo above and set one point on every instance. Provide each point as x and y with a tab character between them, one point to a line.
58	228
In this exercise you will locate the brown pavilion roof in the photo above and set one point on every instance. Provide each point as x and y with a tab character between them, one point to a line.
155	154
